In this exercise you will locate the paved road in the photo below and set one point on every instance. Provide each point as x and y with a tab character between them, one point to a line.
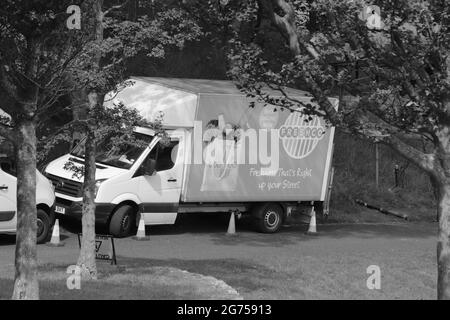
287	265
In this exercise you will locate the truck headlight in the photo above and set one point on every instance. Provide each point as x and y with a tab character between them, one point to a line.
98	183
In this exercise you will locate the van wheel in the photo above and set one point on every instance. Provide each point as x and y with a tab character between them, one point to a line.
43	226
268	217
122	222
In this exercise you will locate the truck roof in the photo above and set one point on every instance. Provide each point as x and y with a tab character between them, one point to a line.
178	103
207	86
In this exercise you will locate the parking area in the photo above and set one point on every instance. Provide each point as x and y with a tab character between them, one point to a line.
286	265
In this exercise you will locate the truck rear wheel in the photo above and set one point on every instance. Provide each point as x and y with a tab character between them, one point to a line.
122	222
43	226
268	217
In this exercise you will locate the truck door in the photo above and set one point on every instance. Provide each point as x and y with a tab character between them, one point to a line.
8	208
160	193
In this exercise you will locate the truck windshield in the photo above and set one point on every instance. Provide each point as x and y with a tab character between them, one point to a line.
116	152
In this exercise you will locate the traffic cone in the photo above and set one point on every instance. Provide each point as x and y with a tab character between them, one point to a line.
312	230
55	240
231	225
140	235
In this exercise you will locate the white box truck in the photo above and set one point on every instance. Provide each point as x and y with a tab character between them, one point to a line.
226	152
45	198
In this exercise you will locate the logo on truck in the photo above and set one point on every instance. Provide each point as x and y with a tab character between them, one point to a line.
300	135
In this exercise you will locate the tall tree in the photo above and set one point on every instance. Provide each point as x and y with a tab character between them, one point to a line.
103	68
393	73
36	48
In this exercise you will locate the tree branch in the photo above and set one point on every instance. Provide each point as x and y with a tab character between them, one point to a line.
385	133
286	24
424	161
120	6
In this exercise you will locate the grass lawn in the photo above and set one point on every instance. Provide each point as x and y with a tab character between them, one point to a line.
95	290
145	283
326	278
288	265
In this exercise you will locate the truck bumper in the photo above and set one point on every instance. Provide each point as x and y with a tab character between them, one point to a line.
73	211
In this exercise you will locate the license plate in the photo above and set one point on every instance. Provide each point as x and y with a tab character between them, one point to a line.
60	210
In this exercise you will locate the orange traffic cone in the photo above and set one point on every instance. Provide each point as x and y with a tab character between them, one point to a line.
231	225
312	230
140	235
55	240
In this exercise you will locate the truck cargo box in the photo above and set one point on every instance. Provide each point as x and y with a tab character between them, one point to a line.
239	150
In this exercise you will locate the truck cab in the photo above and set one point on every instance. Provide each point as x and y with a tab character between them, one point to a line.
45	199
129	182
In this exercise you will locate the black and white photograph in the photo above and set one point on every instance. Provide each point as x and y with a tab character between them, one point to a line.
224	156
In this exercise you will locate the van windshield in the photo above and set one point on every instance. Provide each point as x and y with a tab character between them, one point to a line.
115	152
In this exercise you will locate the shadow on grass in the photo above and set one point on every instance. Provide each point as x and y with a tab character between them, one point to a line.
214	227
296	234
8	240
234	272
244	276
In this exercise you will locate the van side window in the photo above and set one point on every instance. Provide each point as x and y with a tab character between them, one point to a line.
165	155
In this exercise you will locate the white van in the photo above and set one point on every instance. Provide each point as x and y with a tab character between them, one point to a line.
45	199
226	152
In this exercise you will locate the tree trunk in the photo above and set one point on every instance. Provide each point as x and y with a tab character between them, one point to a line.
443	246
26	279
86	260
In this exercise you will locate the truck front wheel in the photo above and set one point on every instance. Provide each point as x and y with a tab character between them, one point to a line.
268	217
122	222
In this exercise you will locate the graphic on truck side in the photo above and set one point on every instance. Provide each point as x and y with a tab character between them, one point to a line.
248	152
300	135
221	169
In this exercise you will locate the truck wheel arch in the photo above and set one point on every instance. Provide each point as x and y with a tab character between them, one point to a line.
128	203
124	199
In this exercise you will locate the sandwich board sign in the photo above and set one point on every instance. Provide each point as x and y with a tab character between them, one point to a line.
103	251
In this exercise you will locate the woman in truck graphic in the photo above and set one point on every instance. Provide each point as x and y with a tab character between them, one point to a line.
221	147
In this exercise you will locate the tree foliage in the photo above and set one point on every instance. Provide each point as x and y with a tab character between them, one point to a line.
393	80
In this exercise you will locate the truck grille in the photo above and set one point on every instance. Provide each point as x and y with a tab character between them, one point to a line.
66	186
